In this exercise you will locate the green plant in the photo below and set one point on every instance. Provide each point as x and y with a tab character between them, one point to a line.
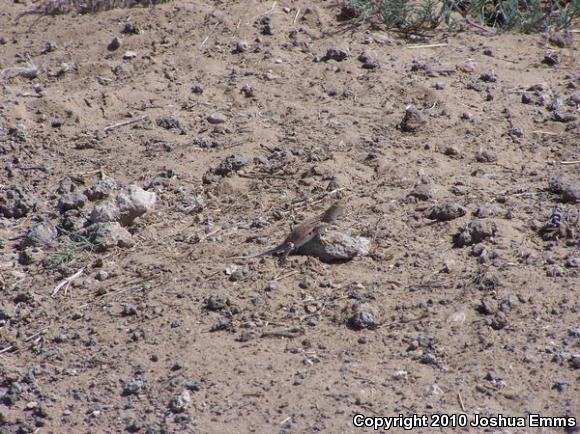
518	15
69	252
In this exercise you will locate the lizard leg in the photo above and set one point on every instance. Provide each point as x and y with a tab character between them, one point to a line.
287	250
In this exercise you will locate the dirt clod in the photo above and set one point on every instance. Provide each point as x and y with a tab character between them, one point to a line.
71	201
16	202
447	212
39	235
115	44
413	120
363	317
216	118
475	232
568	189
231	164
125	207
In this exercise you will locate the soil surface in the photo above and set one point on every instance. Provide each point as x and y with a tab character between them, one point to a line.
244	118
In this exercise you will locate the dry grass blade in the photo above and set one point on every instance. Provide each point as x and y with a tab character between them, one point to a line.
66	282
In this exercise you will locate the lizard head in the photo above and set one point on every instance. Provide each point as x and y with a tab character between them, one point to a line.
336	210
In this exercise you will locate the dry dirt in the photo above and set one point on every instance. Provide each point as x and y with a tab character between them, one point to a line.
170	336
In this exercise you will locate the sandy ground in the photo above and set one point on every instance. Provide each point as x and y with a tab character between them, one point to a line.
232	113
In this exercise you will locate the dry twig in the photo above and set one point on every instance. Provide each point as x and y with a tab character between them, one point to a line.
67	281
122	124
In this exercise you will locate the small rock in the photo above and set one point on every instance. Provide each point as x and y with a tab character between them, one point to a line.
114	44
41	411
369	61
555	104
488	77
483	211
488	306
439	85
561	386
101	189
475	232
348	12
15	202
336	54
224	323
467	67
265	25
241	47
363	317
474	86
248	91
28	256
129	28
133	387
231	164
527	99
555	271
413	120
457	317
190	203
130	203
488	52
105	235
429	358
169	123
424	67
485	156
23	297
575	361
466	115
216	118
568	190
39	235
163	179
193	385
508	303
6	312
449	265
135	425
128	309
13	394
102	275
447	212
451	150
129	55
18	133
499	321
516	132
216	302
551	59
197	89
332	245
424	191
562	117
181	402
71	201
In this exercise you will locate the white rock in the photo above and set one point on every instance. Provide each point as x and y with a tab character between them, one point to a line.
130	203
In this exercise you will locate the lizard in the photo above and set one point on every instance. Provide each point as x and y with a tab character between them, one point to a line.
302	233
